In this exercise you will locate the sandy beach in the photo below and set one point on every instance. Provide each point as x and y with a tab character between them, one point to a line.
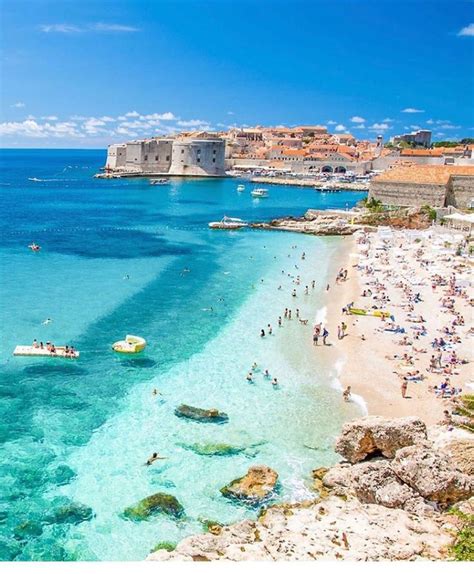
398	269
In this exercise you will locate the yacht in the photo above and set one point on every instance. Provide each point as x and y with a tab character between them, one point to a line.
259	192
228	223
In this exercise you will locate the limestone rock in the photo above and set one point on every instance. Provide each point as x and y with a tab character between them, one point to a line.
373	435
432	474
154	504
255	486
328	530
461	453
201	415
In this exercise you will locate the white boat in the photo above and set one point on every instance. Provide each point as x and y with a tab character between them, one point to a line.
241	187
259	192
228	223
159	181
31	351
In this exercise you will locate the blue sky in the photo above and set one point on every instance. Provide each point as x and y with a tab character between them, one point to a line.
88	73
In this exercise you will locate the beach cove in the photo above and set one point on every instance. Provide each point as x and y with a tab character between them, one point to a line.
120	257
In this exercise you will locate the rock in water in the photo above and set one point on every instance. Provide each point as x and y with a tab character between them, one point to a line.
152	505
215	449
72	513
201	415
255	486
432	475
374	435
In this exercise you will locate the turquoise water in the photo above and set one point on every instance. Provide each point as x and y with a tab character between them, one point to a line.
78	433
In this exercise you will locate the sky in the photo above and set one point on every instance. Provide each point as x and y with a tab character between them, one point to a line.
88	73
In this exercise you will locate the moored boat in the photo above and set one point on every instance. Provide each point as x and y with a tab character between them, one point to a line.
259	192
228	223
162	181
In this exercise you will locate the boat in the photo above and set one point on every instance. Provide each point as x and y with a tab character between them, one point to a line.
162	181
34	247
31	351
132	344
259	192
241	187
228	223
370	313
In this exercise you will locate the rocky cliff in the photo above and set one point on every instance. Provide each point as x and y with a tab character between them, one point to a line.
388	499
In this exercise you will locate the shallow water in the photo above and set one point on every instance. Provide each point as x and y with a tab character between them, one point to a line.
112	261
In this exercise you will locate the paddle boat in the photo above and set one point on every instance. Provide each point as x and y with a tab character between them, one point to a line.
228	223
259	192
34	247
132	344
241	187
34	351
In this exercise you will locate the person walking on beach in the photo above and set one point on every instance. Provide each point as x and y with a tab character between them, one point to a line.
270	330
339	332
404	388
279	321
286	312
313	283
289	313
325	335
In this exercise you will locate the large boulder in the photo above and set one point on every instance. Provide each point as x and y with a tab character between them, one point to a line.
432	474
255	486
155	504
373	435
461	453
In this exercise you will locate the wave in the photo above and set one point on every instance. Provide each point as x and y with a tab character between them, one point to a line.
321	315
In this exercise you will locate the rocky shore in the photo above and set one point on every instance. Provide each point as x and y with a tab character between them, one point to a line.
341	222
390	498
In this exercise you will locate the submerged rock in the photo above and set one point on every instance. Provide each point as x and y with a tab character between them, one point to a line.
201	415
63	474
71	513
255	486
155	504
215	449
374	435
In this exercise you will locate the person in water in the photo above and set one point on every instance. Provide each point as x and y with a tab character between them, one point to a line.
347	394
262	333
154	457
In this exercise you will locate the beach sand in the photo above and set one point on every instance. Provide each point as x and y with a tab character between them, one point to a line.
366	363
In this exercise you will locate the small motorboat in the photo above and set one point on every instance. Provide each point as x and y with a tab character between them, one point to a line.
34	247
162	181
132	344
259	192
228	223
241	187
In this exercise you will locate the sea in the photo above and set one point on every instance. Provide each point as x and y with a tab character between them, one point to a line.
124	257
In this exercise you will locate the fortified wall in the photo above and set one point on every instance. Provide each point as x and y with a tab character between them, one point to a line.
189	156
418	185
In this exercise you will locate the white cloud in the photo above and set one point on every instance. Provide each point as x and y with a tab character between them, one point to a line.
379	127
467	30
60	28
412	111
133	114
357	120
430	122
191	123
340	128
18	105
448	127
331	123
167	116
230	113
388	120
107	119
360	127
415	127
50	118
95	27
102	27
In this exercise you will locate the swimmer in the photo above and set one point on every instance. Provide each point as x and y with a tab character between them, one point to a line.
293	294
208	309
270	330
266	374
275	382
155	392
125	277
155	456
47	321
249	378
262	333
254	366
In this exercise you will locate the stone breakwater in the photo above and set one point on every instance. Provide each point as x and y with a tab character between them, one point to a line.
355	186
387	500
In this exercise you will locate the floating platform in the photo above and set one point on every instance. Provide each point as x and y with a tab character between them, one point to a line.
30	351
131	345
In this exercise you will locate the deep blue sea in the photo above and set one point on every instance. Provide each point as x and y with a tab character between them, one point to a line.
119	257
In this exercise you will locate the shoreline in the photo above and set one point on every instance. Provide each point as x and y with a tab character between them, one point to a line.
298	182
